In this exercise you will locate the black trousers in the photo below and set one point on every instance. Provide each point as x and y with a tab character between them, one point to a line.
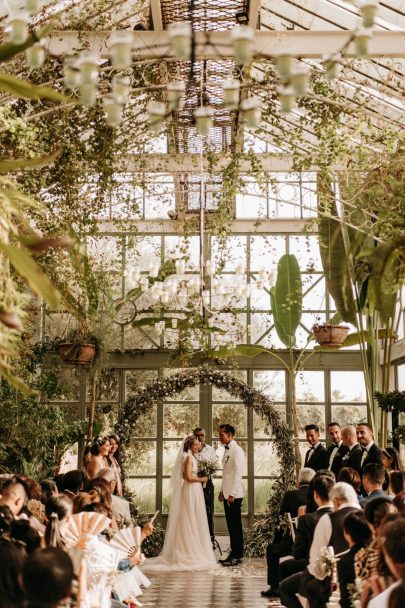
209	506
233	515
291	566
276	550
288	589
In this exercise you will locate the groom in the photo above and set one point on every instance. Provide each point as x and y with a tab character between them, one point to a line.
232	492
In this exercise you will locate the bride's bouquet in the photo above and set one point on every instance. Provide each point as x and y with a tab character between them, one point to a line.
207	468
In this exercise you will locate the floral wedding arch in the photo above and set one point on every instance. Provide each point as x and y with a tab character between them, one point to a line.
145	398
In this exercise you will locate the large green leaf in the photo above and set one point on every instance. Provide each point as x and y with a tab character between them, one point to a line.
280	332
333	253
288	296
8	166
19	87
16	382
29	270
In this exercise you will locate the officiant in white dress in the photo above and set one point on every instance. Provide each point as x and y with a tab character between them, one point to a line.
232	492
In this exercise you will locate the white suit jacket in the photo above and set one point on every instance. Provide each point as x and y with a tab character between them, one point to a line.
232	471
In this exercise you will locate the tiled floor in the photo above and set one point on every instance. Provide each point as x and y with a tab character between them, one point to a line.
224	588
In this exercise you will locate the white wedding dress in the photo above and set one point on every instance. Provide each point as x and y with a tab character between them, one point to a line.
187	543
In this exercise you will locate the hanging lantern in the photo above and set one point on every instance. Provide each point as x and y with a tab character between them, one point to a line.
136	272
252	112
332	66
203	120
284	63
368	11
287	99
231	90
35	56
156	113
88	94
362	39
121	86
71	73
300	80
153	270
180	39
121	48
18	23
209	267
88	65
180	266
243	40
113	110
33	6
144	284
175	95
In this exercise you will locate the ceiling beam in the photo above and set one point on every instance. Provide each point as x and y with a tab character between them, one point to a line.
217	44
156	11
191	163
254	11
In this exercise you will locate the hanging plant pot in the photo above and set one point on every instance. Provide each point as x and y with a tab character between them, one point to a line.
330	335
77	353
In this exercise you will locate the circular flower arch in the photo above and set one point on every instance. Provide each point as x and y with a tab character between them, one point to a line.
145	398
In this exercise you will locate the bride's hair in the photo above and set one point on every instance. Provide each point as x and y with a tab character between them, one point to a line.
188	442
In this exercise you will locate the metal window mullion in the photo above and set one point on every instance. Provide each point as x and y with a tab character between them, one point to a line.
82	412
159	455
248	307
250	454
328	399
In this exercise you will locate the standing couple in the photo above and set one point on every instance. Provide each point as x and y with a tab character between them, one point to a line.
187	543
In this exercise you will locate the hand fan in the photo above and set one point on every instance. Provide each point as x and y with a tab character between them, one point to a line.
127	540
82	525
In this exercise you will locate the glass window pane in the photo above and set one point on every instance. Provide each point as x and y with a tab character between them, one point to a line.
259	422
271	383
219	507
306	249
347	386
401	377
146	424
262	490
141	458
220	394
230	413
179	419
266	461
349	414
166	495
107	385
137	378
230	255
145	491
310	386
191	393
266	250
313	288
311	414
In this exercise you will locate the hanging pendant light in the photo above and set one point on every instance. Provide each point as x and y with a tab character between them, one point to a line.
368	11
18	24
332	65
284	63
35	56
71	73
231	89
88	95
113	110
287	99
121	86
300	80
243	39
362	39
156	113
175	95
179	34
121	49
88	66
32	6
203	120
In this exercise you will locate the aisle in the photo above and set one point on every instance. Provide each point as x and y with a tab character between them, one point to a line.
226	587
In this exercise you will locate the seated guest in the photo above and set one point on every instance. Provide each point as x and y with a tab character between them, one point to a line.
353	456
12	558
13	494
72	482
358	535
399	502
120	506
371	451
367	561
49	488
306	525
22	531
281	546
352	477
6	519
47	578
393	545
396	482
337	449
58	509
315	457
328	532
373	479
311	505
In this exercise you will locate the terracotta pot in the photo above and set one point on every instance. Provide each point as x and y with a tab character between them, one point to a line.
77	353
330	335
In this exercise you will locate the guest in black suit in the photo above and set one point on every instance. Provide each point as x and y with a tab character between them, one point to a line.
373	479
358	535
353	456
315	458
336	450
372	453
311	505
322	486
282	544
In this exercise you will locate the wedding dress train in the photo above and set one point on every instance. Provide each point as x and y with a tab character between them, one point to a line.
187	543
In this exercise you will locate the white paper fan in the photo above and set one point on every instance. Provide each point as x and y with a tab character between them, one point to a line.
82	525
127	540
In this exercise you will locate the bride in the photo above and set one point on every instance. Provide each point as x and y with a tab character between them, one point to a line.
187	543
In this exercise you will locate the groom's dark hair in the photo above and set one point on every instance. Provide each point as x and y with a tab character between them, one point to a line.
228	428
